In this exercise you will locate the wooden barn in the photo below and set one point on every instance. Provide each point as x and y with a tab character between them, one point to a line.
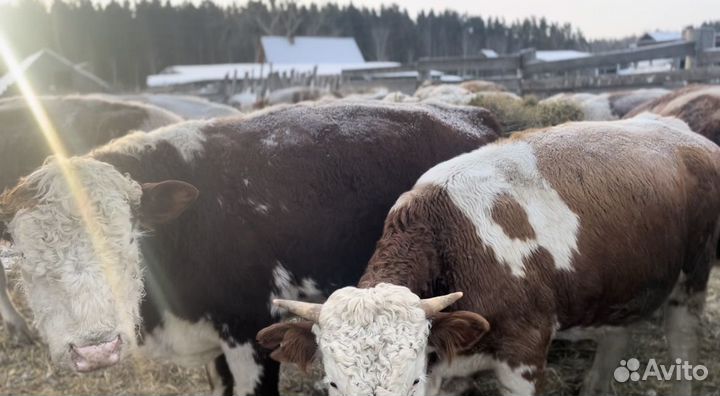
50	73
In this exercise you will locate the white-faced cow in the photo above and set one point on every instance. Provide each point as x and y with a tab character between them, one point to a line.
290	204
582	227
83	122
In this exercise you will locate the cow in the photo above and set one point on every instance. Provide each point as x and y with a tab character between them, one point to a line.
186	106
577	229
611	105
623	102
83	122
698	105
213	219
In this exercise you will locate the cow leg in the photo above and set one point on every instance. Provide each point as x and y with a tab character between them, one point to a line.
14	322
518	380
254	373
682	317
520	362
612	345
219	377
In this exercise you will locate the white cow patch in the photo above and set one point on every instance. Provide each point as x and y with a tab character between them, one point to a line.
512	381
246	372
285	287
186	137
461	366
182	342
475	180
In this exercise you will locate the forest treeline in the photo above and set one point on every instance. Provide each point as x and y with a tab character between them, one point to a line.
123	42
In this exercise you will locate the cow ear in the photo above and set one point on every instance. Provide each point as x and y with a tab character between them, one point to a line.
455	332
291	342
22	196
165	201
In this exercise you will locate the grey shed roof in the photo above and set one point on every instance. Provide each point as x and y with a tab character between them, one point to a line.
313	50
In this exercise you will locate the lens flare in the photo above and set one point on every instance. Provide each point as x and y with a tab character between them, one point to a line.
78	192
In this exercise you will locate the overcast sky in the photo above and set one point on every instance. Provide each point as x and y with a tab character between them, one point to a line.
596	18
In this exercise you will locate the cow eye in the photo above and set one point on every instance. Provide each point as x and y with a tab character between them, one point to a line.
334	385
417	381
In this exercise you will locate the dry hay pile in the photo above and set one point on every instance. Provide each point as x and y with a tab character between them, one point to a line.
27	370
517	115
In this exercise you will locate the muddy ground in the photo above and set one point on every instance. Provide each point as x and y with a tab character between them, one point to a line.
26	369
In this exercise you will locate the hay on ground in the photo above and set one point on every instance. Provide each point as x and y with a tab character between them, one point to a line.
517	115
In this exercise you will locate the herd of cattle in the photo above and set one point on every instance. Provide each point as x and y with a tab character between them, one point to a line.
414	242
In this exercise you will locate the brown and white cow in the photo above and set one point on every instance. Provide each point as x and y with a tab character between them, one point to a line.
82	122
697	105
288	203
585	227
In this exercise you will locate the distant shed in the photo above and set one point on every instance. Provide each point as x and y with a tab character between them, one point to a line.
658	38
307	49
50	73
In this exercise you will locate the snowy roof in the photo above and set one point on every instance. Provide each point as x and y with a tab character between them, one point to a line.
414	74
185	74
489	53
661	36
549	56
305	49
8	79
653	66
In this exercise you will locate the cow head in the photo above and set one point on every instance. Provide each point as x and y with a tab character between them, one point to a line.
374	341
84	284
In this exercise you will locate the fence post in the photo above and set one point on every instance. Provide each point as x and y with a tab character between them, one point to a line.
704	39
526	56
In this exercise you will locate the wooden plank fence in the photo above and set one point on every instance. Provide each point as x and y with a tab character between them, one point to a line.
694	59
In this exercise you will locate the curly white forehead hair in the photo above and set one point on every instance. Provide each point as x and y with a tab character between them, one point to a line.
373	340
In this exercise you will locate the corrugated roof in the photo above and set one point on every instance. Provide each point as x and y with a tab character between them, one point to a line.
315	50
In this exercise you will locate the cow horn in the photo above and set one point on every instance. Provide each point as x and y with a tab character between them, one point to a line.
304	310
433	305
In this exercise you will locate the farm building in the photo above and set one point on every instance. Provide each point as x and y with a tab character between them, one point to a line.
304	49
53	74
289	61
658	37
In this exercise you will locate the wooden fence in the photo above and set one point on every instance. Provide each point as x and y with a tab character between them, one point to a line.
694	59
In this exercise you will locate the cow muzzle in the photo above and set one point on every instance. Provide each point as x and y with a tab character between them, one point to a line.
97	356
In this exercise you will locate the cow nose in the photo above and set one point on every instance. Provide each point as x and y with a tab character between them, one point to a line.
96	356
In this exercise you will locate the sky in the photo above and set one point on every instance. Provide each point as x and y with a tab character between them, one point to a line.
596	18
